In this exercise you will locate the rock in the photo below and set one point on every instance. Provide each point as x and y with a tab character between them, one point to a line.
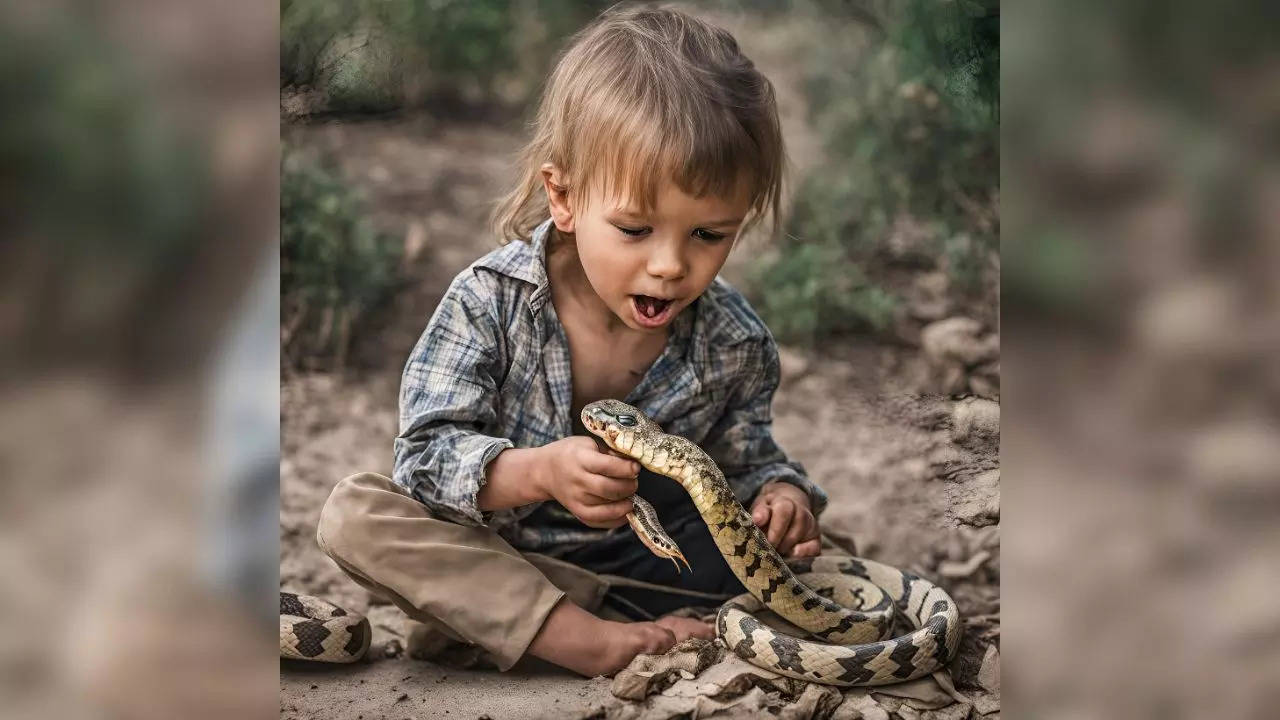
989	673
975	417
360	71
953	379
955	711
927	297
985	385
297	102
980	504
911	243
952	569
958	340
859	705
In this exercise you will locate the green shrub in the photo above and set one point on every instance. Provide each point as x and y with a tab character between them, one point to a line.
335	267
371	55
814	290
911	130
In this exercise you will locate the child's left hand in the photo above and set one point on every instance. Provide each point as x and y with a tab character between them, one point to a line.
782	511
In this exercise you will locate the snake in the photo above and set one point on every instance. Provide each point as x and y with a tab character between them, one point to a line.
846	605
315	629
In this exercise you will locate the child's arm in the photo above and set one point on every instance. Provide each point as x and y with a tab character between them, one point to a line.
448	406
595	486
780	495
449	400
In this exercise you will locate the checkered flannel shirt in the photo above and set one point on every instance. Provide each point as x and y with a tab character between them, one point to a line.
491	371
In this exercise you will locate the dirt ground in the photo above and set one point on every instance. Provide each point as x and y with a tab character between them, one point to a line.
913	477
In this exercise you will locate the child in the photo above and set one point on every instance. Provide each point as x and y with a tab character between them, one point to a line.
657	144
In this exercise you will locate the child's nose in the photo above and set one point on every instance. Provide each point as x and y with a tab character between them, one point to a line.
667	261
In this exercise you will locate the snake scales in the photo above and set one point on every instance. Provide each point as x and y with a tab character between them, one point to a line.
847	603
314	629
850	626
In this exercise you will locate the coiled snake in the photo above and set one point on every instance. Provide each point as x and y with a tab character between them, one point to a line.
314	629
850	624
853	649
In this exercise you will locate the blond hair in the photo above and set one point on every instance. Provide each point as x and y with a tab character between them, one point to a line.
644	95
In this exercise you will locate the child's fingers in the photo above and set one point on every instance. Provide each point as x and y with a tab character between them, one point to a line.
780	522
606	515
760	516
808	548
610	488
800	527
611	465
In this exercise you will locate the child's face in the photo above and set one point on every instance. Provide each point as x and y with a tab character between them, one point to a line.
646	269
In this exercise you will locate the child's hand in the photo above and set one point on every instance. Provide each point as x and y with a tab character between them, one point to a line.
782	511
593	485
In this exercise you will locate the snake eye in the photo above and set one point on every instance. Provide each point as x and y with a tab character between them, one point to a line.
627	420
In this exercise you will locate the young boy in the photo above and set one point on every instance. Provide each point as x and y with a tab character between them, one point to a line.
656	146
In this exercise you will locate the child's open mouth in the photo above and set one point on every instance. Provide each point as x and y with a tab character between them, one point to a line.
651	311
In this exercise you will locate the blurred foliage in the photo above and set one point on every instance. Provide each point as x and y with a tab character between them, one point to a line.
910	129
375	55
811	291
335	267
99	182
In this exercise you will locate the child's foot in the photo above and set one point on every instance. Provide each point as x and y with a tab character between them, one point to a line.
575	639
686	627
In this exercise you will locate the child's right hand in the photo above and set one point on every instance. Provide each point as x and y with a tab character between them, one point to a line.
593	485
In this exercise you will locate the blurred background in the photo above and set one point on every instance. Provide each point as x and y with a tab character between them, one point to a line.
400	119
139	296
1141	451
142	323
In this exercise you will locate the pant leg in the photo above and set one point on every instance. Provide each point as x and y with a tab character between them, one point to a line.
466	579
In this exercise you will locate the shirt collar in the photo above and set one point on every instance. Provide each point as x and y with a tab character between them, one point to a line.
537	266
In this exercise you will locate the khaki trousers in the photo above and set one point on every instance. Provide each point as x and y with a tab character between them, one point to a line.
467	581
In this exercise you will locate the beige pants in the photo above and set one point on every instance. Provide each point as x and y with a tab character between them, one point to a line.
465	580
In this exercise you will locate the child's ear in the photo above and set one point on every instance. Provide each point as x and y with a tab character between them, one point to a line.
557	198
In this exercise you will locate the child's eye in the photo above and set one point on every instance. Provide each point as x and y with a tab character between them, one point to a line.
708	236
632	233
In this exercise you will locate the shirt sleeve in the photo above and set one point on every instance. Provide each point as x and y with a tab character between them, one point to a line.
742	443
448	399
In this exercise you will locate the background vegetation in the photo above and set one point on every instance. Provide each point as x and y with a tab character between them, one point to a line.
906	117
334	267
910	133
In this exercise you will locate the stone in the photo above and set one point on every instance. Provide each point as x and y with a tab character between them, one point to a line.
989	673
958	340
975	417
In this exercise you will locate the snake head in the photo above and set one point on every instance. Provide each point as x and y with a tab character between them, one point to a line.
610	418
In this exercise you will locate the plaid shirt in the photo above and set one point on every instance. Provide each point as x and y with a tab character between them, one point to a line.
491	372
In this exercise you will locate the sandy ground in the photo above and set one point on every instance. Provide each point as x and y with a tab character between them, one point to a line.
882	456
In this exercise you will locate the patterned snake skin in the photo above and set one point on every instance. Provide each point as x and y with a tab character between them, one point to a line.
850	616
313	629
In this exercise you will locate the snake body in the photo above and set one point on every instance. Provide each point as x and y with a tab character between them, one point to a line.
315	629
850	627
